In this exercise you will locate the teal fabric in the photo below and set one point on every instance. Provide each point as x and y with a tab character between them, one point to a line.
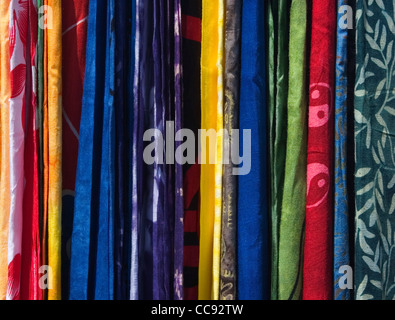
375	153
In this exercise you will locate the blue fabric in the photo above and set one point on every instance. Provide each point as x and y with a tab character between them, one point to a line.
341	232
104	277
87	181
253	227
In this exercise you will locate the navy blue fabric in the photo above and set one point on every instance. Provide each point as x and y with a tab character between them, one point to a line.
253	226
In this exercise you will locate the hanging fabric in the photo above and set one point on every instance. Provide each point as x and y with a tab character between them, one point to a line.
228	270
74	29
55	148
31	234
341	226
209	104
278	20
318	248
191	51
18	60
5	94
87	191
219	154
374	151
253	222
179	198
291	232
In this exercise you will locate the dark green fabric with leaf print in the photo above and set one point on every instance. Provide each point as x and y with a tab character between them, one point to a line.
375	153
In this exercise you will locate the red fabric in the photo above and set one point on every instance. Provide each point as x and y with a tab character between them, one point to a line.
318	252
74	21
191	28
31	233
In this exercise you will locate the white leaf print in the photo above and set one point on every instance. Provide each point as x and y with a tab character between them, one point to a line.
365	232
366	207
379	199
380	4
383	40
359	117
375	157
363	172
367	297
390	110
389	232
362	287
377	31
391	184
380	120
380	181
389	51
372	43
365	246
385	243
372	266
392	209
381	65
360	93
377	254
373	218
365	189
377	284
390	22
381	153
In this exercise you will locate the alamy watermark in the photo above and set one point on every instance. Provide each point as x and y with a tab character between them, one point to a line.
162	150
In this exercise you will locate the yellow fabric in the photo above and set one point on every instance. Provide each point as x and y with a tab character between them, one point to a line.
5	92
55	147
209	100
218	162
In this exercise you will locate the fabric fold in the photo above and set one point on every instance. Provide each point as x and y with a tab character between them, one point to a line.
253	213
292	221
318	247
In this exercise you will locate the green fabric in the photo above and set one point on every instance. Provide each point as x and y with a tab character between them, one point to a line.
294	196
278	80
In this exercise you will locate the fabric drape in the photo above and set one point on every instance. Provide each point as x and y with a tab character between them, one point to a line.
291	232
318	248
341	226
253	226
232	60
5	194
374	112
209	104
74	32
278	25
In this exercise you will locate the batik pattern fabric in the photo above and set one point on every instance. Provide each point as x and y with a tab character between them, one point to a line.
253	216
191	50
292	220
318	248
24	206
341	226
374	151
228	270
5	194
219	154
